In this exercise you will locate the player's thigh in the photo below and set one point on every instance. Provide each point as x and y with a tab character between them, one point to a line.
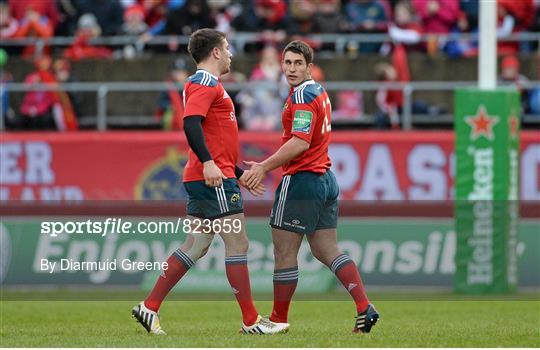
297	203
328	215
232	230
324	245
213	202
286	246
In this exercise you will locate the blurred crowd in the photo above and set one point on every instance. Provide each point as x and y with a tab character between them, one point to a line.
404	20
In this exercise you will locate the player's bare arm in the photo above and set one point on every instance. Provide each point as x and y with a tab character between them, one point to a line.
289	151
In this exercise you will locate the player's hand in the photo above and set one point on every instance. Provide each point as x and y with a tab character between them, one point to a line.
213	176
256	174
257	190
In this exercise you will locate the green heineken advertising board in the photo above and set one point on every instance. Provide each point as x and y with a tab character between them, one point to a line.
486	210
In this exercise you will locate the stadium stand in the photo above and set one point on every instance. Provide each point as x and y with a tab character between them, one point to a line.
109	45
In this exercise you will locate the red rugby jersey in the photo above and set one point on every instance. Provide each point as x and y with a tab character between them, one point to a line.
204	95
307	115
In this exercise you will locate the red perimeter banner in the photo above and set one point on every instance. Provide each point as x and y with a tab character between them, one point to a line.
149	165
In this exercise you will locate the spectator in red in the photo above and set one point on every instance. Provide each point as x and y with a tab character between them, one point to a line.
37	106
171	106
155	11
9	26
81	48
506	25
134	23
390	101
405	29
437	16
513	16
522	11
47	8
154	14
182	18
62	73
510	76
34	25
46	110
271	12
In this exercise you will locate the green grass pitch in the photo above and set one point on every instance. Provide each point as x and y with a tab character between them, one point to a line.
419	323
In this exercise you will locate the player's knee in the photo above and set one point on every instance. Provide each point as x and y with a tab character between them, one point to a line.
317	254
242	245
322	255
283	252
237	246
200	242
204	251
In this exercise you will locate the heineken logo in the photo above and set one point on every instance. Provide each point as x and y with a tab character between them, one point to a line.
480	267
482	175
481	124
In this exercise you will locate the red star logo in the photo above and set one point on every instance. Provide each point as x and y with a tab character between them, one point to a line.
513	123
482	124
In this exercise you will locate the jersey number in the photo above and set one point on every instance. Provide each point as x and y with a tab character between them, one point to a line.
326	127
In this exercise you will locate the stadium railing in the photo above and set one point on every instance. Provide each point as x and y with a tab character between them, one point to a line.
239	40
101	121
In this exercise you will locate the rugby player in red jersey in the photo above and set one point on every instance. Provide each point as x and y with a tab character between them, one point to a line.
306	200
211	179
